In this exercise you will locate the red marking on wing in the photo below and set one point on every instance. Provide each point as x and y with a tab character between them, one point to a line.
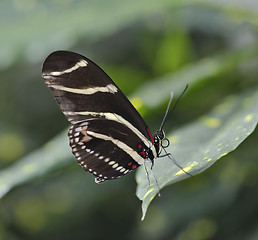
130	163
143	154
134	166
152	139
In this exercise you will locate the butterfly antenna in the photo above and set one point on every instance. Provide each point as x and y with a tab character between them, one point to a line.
167	110
168	114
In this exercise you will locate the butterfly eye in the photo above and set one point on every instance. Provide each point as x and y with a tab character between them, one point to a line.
165	143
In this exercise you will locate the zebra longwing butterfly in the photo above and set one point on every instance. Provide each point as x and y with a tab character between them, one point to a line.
108	136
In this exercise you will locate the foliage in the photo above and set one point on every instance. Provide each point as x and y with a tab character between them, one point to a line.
149	48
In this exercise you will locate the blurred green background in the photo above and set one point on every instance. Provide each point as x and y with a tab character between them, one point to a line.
137	43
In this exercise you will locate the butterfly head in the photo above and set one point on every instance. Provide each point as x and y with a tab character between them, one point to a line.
158	138
160	135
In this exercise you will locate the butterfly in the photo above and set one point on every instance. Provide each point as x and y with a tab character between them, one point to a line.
108	136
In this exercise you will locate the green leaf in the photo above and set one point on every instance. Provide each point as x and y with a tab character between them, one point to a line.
200	144
54	155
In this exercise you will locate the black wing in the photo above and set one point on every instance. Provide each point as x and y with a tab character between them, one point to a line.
106	129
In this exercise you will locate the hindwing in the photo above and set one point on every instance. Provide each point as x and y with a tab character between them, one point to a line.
104	153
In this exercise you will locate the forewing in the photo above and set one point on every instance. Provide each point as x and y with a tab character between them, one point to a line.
82	90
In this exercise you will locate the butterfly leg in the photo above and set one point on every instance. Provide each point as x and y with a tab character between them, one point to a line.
156	181
147	173
171	157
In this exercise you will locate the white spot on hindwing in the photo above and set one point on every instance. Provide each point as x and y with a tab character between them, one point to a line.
115	165
76	134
